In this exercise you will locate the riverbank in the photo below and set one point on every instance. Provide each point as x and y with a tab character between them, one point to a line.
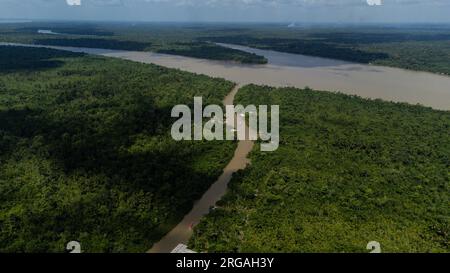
367	81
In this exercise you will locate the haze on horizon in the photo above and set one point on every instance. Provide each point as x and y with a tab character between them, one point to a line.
314	11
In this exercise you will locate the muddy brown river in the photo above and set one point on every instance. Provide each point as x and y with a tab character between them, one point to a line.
284	69
183	231
391	84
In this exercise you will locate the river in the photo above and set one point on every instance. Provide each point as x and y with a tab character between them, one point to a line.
285	69
183	231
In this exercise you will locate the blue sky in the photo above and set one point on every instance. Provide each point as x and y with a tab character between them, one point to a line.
231	10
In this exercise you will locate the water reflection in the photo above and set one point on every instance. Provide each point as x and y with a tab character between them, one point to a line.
288	59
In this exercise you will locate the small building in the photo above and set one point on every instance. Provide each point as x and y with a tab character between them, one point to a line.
182	249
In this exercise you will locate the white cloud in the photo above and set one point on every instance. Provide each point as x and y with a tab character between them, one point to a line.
270	3
73	2
374	2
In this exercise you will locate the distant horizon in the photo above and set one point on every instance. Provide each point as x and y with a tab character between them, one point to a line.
47	20
241	11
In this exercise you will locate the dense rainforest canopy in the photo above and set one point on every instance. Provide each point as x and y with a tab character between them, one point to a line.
348	171
86	152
